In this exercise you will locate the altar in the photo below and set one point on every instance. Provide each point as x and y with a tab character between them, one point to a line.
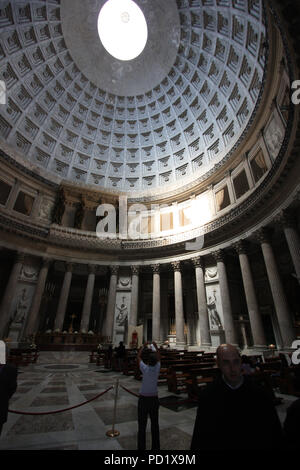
69	341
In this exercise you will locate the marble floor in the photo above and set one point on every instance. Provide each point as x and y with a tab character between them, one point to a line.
59	381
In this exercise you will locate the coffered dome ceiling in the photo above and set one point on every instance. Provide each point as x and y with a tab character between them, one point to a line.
158	122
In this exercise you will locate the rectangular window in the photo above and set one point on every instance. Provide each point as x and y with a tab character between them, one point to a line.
258	166
240	183
4	192
184	217
222	198
166	221
24	203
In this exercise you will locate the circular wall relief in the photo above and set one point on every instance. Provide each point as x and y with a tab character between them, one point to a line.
133	77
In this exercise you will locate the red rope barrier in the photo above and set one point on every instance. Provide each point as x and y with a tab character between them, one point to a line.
129	391
60	411
182	402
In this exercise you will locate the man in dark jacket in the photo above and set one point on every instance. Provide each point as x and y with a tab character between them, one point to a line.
291	425
234	412
8	386
121	353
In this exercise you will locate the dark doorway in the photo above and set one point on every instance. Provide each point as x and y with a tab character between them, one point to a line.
268	329
149	329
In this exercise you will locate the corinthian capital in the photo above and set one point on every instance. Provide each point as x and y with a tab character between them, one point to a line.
69	267
175	266
135	269
219	255
46	262
241	247
286	219
263	235
114	270
155	268
198	262
92	268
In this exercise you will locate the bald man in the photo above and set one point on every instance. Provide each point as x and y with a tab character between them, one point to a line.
233	412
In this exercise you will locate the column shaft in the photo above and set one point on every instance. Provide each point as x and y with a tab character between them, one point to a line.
156	305
256	324
111	304
87	304
205	339
293	242
63	299
229	327
5	309
179	315
279	298
134	296
32	323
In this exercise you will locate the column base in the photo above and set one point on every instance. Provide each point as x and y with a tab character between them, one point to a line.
217	337
205	345
262	347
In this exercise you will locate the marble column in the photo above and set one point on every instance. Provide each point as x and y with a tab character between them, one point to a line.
189	309
205	339
179	315
111	304
9	294
156	303
229	326
134	296
286	328
32	323
164	331
258	334
63	298
293	240
88	298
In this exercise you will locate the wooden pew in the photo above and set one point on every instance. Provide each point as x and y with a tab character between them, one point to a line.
22	357
200	378
130	362
93	356
178	373
289	382
100	358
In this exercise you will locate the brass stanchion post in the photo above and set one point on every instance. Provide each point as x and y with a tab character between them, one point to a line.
113	432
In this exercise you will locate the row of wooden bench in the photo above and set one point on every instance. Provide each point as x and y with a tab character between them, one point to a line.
189	371
129	362
22	357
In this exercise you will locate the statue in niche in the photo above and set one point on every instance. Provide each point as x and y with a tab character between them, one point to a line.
79	214
21	308
59	207
123	313
213	313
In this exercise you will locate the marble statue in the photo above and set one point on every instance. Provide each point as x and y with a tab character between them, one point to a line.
21	308
213	313
123	313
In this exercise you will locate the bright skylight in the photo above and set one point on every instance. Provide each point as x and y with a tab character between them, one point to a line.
122	29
